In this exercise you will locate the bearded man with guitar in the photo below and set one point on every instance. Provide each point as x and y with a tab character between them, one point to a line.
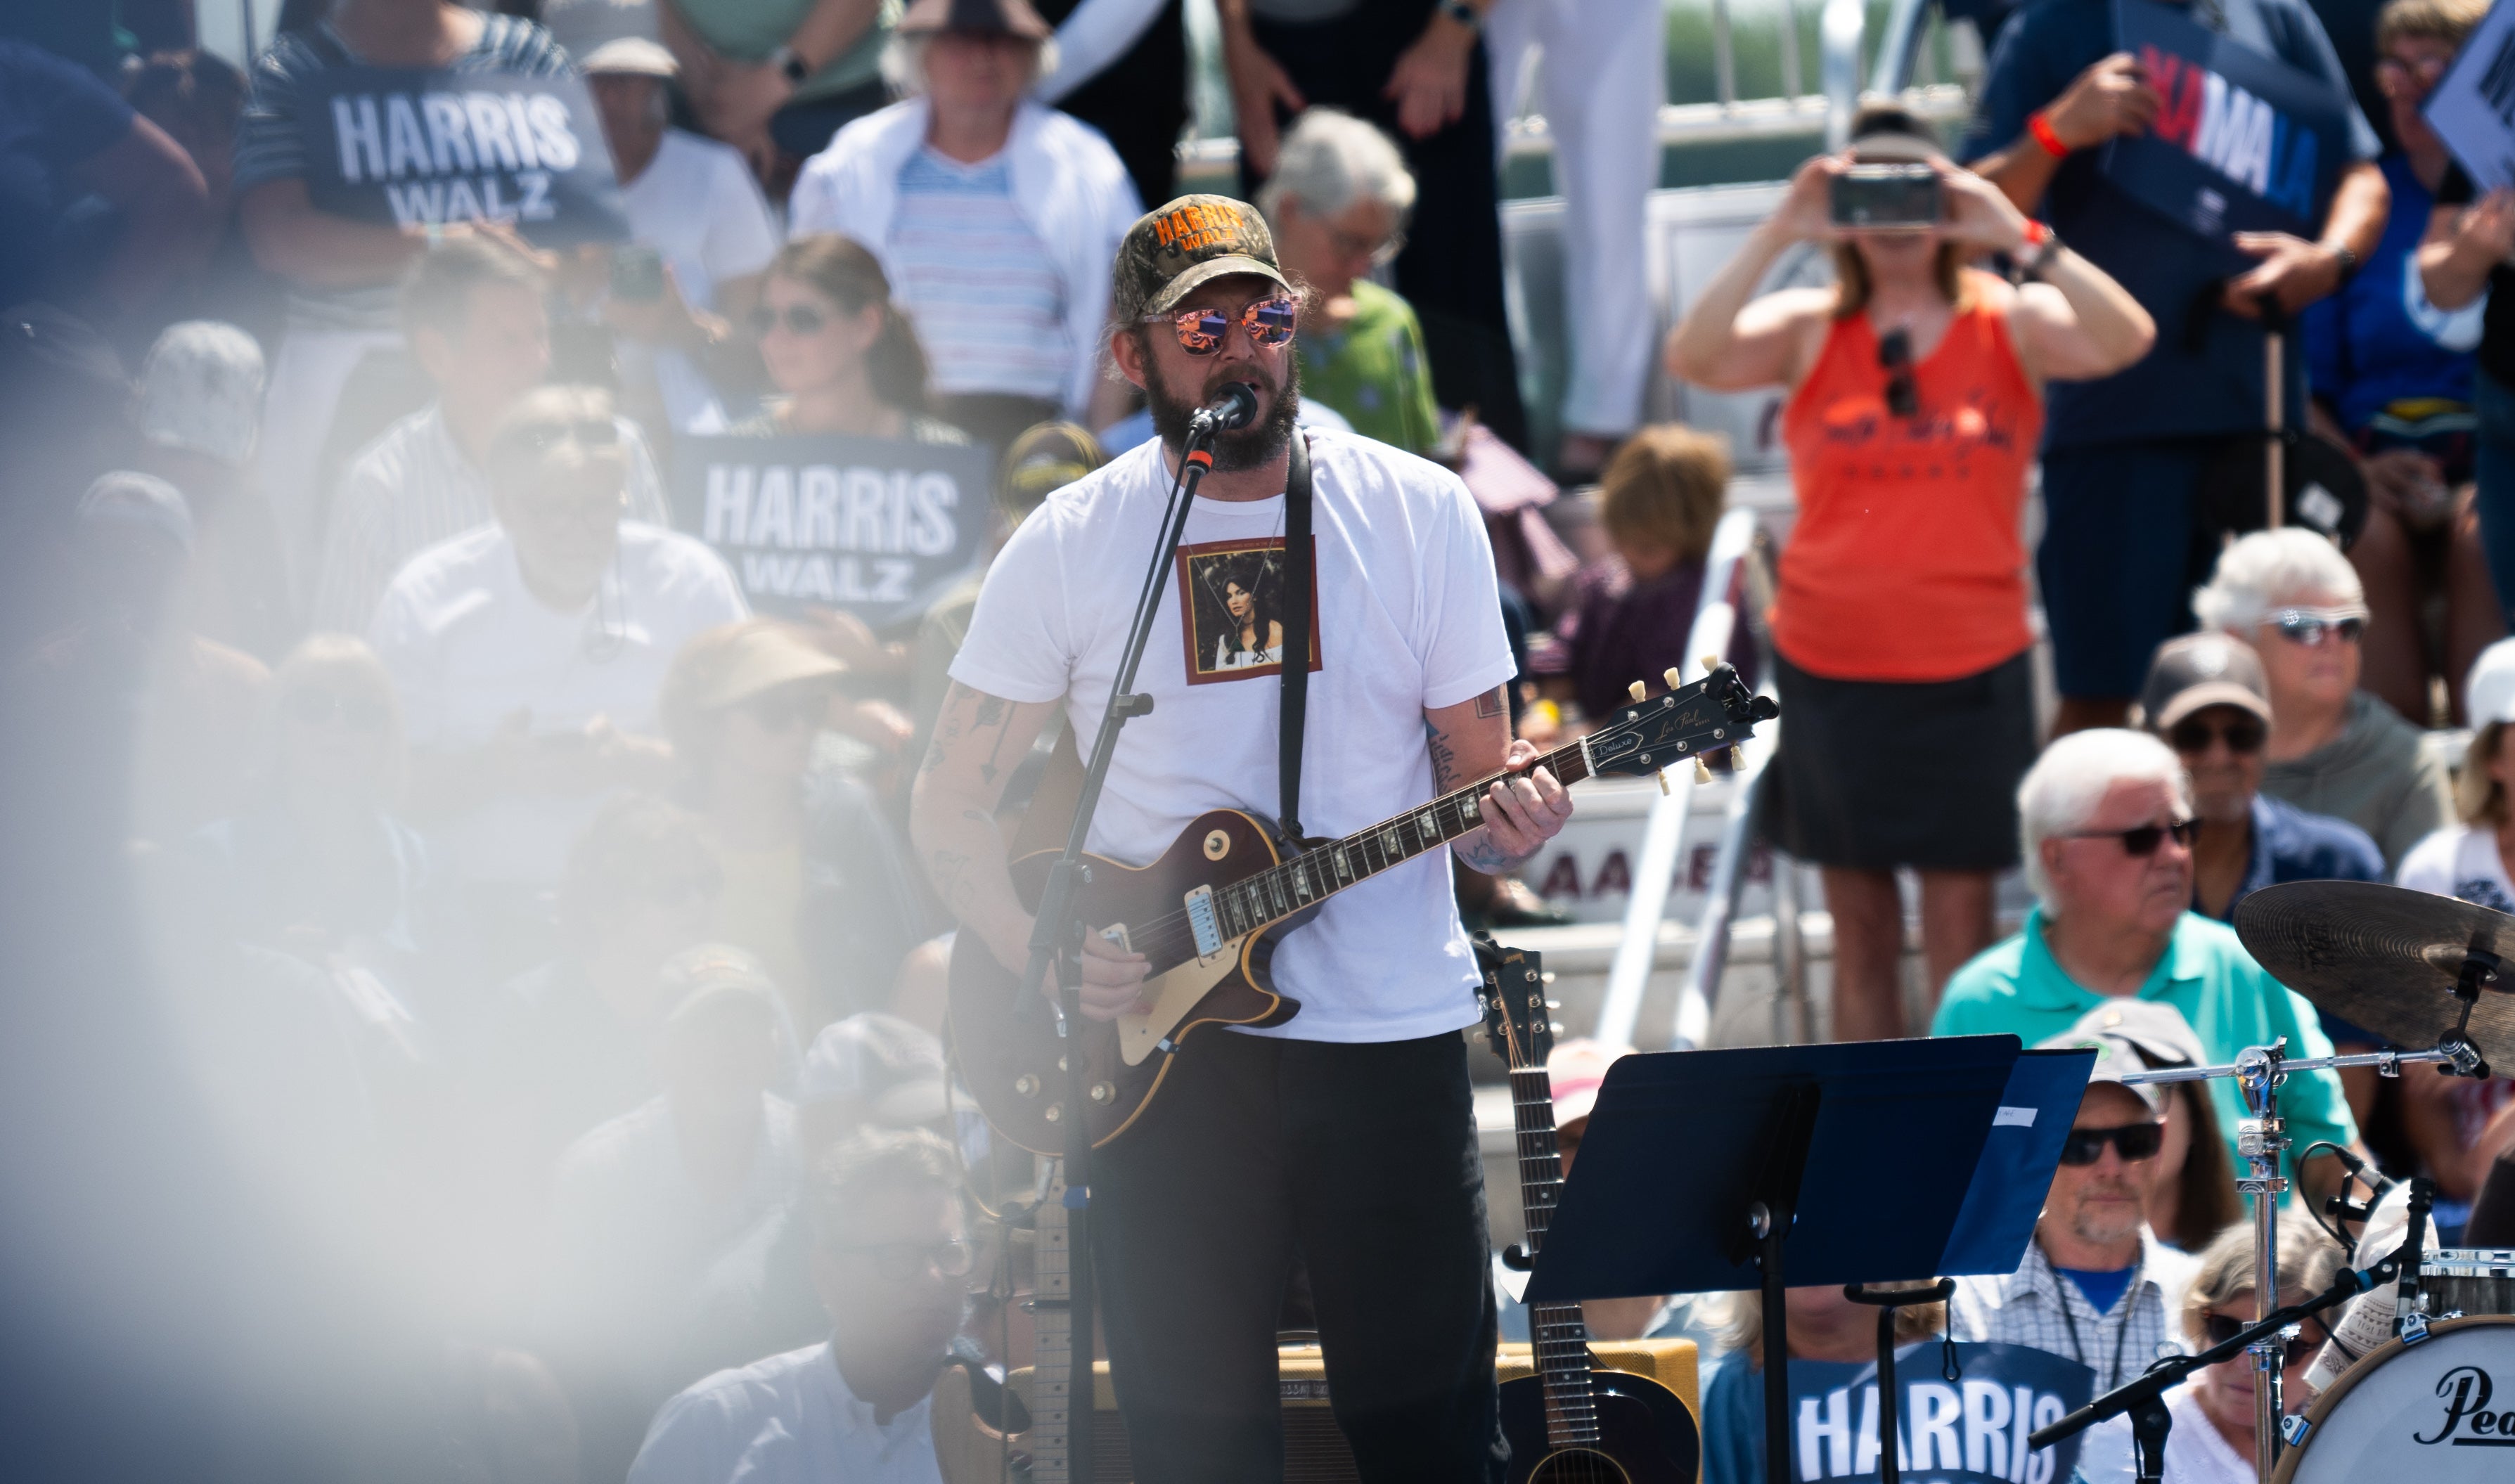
1249	1156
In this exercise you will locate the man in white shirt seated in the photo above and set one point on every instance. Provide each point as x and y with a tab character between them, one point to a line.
692	204
995	217
2096	1285
528	654
478	326
891	1261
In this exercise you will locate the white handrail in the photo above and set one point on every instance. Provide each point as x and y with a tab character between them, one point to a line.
1715	619
1839	29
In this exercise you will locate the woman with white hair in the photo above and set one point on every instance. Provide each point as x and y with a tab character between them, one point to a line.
2333	748
1338	202
996	218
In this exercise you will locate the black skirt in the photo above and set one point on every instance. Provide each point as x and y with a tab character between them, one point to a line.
1876	774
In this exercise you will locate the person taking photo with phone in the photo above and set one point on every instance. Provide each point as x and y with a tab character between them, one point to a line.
1915	400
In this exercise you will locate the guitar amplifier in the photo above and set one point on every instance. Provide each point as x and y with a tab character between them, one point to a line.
1314	1448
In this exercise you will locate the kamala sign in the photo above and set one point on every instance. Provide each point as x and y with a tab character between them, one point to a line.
410	148
875	526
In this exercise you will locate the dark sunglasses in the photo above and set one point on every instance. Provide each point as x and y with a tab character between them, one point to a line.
587	433
1270	322
798	319
2136	1141
2145	840
1895	359
2312	630
317	708
2245	735
789	705
2300	1346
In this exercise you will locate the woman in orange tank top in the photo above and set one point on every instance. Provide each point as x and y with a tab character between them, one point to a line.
1916	406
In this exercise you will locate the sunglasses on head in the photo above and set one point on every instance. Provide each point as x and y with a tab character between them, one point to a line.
1270	322
2244	734
1895	359
2300	1346
2136	1141
587	433
2145	838
798	318
317	708
2313	629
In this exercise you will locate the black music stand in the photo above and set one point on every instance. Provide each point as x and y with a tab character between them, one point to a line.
1709	1171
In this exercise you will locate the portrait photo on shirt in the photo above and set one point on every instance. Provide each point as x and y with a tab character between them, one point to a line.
1231	608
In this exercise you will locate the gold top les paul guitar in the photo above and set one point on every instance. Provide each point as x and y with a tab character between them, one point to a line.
1209	913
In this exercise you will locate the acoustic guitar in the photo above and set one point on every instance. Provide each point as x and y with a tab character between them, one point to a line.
1209	913
1570	1423
1031	1446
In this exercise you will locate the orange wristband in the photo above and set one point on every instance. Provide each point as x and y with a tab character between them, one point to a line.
2036	233
2040	126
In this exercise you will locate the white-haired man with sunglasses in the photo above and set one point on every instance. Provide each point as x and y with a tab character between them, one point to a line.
1250	1154
2107	821
2096	1285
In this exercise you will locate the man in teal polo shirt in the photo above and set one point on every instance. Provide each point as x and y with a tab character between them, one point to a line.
2107	819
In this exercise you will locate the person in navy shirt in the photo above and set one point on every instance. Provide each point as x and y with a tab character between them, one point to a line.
2118	507
2391	376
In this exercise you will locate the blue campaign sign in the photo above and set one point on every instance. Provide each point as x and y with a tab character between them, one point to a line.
412	148
876	526
2243	141
1970	1430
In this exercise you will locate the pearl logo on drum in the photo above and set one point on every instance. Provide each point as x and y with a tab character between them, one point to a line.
2469	1422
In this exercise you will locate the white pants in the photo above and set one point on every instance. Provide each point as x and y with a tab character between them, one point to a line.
1598	82
306	379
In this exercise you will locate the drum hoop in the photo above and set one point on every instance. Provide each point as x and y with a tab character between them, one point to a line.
2366	1365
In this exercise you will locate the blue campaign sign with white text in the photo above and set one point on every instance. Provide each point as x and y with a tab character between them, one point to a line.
1970	1430
2243	142
401	148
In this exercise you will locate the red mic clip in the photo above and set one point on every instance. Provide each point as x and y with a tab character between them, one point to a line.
1202	459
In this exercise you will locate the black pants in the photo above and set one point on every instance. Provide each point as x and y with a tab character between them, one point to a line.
1360	1160
1450	270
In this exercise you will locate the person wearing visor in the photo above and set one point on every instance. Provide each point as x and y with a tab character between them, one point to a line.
2106	823
2097	1286
2206	698
1248	1156
2334	749
1916	397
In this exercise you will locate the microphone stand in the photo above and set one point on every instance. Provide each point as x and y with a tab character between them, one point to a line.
2144	1398
1056	931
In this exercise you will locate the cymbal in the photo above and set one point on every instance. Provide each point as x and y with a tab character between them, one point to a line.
2384	958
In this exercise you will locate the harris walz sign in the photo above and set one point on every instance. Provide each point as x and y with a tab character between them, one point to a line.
2243	142
875	526
415	148
1970	1430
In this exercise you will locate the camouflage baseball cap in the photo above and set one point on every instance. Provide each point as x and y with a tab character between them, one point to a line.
1193	241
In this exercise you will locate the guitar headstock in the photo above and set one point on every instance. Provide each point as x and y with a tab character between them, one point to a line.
1712	713
1516	1007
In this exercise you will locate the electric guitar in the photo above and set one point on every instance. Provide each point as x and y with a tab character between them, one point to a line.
966	1447
1569	1424
1209	913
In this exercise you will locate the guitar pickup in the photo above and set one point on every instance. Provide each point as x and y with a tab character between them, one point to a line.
1201	922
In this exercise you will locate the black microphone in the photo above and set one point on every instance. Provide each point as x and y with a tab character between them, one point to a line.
1234	406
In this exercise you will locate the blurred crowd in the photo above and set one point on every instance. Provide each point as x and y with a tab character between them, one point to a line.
534	913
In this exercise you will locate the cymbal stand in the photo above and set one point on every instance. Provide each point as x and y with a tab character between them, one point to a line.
2261	1138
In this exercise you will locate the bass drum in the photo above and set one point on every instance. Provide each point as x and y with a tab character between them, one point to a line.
2440	1412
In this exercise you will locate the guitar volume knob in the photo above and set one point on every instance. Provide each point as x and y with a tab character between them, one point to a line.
1053	1112
1103	1091
1026	1084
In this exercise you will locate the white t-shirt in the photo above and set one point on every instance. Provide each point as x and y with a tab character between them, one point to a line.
697	206
1409	620
787	1419
2459	861
467	646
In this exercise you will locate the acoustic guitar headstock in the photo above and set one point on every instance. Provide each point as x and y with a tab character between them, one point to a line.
1654	732
1513	1000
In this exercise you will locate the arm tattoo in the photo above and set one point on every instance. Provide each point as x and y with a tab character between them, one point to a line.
1492	703
1480	853
1445	759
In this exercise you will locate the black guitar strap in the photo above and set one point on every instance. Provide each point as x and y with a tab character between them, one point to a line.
1297	575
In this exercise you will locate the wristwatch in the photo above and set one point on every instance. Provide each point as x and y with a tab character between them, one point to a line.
2348	265
795	68
2042	243
1463	13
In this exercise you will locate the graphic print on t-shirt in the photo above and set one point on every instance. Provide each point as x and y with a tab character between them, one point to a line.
1231	608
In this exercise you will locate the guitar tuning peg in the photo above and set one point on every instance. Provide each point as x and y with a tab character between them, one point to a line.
1662	777
1710	662
1675	676
1738	759
1702	774
1546	978
1554	1005
1554	1027
1638	690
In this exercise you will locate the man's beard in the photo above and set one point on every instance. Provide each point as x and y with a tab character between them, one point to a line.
1244	448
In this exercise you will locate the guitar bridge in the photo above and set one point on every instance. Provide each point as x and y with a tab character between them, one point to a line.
1201	922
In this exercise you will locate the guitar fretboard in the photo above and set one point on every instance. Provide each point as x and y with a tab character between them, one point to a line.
1556	1331
1052	1350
